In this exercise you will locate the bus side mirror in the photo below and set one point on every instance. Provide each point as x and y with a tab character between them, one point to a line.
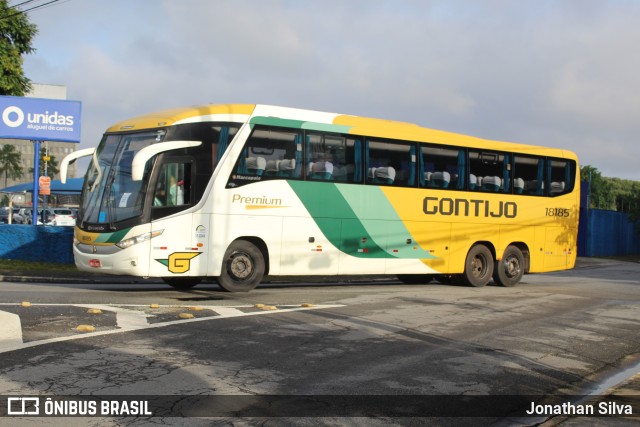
64	164
141	158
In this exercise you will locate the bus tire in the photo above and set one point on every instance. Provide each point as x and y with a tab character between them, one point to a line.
415	279
478	267
510	269
182	283
242	267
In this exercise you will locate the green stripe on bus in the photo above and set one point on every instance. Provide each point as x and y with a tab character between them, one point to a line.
365	230
336	219
389	227
298	124
275	121
323	127
112	237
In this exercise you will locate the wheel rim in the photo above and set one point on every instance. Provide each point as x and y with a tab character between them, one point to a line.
240	266
512	267
479	266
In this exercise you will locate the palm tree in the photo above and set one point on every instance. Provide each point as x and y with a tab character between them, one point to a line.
52	165
10	163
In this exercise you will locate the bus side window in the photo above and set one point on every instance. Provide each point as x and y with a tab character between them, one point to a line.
174	185
490	171
561	177
270	153
390	163
443	168
528	175
333	157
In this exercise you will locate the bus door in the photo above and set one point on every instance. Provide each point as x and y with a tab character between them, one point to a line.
175	251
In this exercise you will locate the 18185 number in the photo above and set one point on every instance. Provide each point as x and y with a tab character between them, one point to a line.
559	212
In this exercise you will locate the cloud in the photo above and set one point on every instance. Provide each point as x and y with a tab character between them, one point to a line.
554	73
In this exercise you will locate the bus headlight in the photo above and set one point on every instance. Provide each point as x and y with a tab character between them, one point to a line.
123	244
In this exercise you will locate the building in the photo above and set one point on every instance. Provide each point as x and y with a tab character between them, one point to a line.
58	150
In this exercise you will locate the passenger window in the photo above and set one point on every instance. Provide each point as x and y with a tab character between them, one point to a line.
270	153
489	171
331	157
561	177
529	176
173	187
390	163
442	167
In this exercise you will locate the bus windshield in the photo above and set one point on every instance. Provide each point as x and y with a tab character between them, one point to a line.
109	193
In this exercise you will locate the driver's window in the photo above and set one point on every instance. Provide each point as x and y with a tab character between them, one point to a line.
174	185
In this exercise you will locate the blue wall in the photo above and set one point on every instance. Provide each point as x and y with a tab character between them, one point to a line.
607	233
42	243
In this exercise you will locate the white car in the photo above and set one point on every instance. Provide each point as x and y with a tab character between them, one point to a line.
62	217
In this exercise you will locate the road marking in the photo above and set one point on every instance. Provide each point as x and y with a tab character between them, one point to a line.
130	317
11	335
229	311
126	318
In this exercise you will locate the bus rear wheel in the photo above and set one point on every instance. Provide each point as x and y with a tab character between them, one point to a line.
242	267
510	269
478	267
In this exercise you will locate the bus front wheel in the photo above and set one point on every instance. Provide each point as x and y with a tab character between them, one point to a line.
478	267
242	267
510	269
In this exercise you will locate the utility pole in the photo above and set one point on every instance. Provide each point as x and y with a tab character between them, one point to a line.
36	177
46	164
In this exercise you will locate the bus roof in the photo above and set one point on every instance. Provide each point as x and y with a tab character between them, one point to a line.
177	115
339	123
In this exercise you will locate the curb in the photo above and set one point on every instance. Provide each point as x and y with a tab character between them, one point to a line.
77	280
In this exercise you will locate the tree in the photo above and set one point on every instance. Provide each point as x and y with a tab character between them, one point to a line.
601	194
16	34
10	163
614	194
634	205
52	165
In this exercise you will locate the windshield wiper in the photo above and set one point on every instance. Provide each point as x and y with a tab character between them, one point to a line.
110	211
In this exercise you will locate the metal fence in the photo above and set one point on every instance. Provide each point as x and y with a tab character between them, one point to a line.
606	233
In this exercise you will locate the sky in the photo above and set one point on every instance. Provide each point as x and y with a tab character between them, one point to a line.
557	73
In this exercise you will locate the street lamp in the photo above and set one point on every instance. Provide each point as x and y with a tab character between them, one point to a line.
10	213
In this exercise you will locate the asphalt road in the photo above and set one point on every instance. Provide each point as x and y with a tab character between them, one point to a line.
555	334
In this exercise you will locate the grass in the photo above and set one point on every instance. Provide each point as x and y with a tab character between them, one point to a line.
36	268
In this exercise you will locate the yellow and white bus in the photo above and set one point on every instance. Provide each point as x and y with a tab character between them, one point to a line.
235	192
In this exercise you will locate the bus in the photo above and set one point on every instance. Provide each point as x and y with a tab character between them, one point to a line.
237	192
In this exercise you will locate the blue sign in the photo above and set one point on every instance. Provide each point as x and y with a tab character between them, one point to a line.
39	119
